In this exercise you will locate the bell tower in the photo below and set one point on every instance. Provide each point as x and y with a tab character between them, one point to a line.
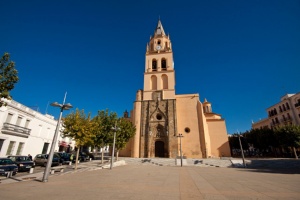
159	67
155	105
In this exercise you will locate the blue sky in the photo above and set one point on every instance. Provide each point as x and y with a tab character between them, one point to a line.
240	55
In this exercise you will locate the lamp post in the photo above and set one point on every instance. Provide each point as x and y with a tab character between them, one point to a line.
115	129
242	151
50	156
180	136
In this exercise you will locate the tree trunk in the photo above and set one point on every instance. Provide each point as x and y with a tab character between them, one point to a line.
102	155
295	152
117	155
76	161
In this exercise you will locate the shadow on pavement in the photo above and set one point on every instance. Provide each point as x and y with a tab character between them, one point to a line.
280	166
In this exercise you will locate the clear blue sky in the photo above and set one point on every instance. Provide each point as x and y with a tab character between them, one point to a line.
240	55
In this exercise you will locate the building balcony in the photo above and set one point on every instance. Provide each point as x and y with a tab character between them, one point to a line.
11	129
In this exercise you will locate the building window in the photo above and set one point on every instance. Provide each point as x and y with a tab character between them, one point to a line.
280	109
10	148
27	123
158	116
154	65
287	106
277	121
40	129
45	148
288	116
283	107
9	117
163	64
187	130
19	120
20	148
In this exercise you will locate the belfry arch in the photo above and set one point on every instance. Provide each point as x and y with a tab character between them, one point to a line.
164	80
153	82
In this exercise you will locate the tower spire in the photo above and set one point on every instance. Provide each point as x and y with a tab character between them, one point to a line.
159	29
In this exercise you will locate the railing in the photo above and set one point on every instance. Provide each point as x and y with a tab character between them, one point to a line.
12	129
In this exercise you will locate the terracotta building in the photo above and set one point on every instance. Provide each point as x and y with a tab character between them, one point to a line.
160	114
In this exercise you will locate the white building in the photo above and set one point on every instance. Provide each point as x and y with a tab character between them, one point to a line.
287	111
25	131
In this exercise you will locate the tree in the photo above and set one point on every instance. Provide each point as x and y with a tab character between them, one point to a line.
101	131
127	131
289	136
8	78
78	126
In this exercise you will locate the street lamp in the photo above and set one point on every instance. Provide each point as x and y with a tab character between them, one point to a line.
180	136
50	157
242	151
115	129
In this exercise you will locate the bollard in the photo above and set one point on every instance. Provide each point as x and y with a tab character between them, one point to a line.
9	174
90	159
31	170
70	163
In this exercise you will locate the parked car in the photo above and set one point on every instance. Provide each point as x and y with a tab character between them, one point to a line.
6	166
83	157
24	163
42	159
64	157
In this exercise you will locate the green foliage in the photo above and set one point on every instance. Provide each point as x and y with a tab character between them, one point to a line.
102	123
288	135
8	77
277	140
127	131
78	126
234	141
261	138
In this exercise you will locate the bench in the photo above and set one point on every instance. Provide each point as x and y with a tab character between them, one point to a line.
57	169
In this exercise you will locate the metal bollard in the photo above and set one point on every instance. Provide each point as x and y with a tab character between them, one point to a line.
31	170
70	163
90	159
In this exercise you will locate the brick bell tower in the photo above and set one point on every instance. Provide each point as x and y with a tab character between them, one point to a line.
155	106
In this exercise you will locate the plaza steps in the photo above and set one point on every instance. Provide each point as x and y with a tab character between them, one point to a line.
172	162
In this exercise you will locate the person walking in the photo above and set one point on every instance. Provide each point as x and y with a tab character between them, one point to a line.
30	157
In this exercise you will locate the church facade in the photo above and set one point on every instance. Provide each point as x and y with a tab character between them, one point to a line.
164	118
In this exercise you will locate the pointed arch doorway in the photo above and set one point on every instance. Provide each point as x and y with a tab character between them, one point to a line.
159	149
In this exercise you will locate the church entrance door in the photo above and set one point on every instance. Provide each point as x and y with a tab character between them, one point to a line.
159	149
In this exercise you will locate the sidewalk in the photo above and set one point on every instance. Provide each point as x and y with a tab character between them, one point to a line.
159	182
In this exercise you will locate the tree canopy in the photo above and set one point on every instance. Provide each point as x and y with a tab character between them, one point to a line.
8	78
78	126
278	140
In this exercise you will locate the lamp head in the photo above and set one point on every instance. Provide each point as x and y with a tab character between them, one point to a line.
67	106
55	104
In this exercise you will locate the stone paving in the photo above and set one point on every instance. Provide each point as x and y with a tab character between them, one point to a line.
160	179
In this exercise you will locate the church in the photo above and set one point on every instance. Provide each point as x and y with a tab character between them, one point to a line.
165	120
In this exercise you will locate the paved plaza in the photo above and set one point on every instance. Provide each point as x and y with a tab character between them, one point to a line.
161	182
